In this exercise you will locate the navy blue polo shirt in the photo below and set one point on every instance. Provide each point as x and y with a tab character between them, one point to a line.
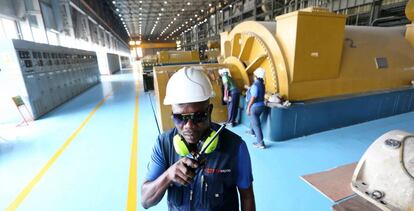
157	164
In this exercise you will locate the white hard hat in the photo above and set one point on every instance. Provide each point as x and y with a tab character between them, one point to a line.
259	72
224	70
188	85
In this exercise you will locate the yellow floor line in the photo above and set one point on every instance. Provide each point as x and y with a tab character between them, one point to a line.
25	192
132	186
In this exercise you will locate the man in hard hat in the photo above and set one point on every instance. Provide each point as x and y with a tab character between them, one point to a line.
231	95
213	185
255	106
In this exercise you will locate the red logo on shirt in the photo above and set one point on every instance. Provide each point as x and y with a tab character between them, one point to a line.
216	171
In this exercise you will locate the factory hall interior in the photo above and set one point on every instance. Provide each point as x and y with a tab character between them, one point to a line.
269	105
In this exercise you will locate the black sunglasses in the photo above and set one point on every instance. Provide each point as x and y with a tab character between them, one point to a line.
196	117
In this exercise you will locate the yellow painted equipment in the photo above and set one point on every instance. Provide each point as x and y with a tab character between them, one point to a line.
212	54
409	12
161	76
149	61
213	51
178	57
153	45
158	45
211	44
308	55
311	54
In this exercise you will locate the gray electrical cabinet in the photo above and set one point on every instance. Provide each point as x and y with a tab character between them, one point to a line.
113	63
45	76
125	62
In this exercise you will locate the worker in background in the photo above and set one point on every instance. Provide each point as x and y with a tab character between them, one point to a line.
231	95
227	172
256	105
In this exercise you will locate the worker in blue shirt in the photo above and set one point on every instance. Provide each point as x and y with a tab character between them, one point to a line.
231	95
255	106
215	184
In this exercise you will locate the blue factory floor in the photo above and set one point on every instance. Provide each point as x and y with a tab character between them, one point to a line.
81	155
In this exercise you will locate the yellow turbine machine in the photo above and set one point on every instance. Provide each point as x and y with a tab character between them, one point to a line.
311	54
170	58
164	58
149	61
335	75
213	51
178	57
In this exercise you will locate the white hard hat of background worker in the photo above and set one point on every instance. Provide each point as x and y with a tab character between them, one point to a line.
223	71
188	85
259	72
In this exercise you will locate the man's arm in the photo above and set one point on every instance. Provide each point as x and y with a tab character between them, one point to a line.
253	95
226	93
245	179
249	105
247	199
153	191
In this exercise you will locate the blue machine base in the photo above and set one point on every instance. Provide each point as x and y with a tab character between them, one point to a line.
310	117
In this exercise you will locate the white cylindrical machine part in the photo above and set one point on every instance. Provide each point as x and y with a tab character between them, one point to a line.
385	173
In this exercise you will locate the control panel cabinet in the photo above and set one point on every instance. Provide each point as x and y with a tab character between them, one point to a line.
45	76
